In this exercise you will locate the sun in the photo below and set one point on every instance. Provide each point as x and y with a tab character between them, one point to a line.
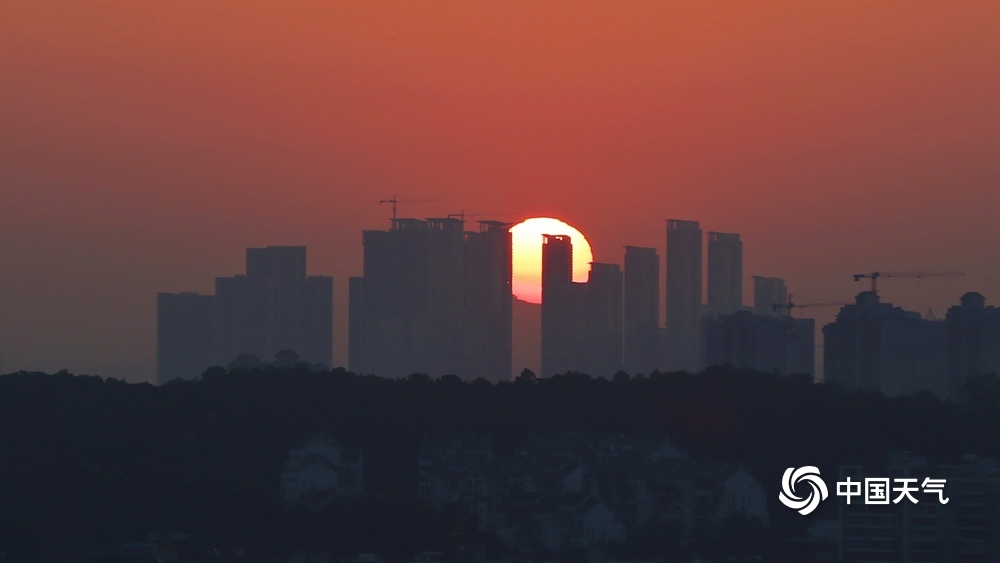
527	255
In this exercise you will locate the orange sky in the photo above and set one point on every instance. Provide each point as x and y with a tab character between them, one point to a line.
144	145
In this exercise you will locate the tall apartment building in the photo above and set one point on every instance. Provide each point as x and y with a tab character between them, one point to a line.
641	309
768	292
780	344
683	294
433	299
973	341
581	322
274	306
875	346
725	273
563	321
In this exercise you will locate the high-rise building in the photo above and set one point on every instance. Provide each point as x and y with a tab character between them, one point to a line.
768	292
487	322
184	335
684	310
725	273
878	347
433	299
563	310
780	344
973	341
604	319
275	306
641	309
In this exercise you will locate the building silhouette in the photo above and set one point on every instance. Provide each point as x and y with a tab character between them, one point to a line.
563	311
768	292
878	347
973	341
581	322
641	309
725	273
433	299
185	332
273	307
764	343
683	294
488	302
604	319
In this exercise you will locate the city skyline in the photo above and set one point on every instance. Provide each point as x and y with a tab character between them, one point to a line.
145	147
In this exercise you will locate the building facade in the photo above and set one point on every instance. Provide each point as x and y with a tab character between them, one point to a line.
641	309
768	292
683	295
725	273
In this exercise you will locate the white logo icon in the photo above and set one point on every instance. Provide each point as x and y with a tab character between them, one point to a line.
817	489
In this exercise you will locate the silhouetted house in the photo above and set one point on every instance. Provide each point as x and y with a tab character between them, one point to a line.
973	341
966	528
641	309
878	347
683	294
275	306
433	299
318	470
745	340
452	467
185	331
768	292
725	273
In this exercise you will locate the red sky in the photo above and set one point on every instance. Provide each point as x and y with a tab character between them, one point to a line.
144	145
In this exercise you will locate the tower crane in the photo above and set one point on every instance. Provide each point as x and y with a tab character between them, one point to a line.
462	215
396	200
792	305
874	276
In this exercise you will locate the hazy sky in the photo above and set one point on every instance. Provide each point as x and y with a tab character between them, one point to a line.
144	145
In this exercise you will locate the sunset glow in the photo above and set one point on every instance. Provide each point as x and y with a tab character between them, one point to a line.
527	243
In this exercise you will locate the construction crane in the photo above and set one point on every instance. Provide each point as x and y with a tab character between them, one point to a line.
874	276
792	305
462	215
396	200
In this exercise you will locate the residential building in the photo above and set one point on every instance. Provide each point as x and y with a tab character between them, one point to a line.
683	295
641	309
725	273
768	292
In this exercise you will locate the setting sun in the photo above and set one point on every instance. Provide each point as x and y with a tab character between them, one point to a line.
527	255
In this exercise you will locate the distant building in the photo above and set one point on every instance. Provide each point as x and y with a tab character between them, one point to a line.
563	309
683	294
878	347
725	273
768	292
185	332
967	528
320	469
488	301
641	309
763	343
973	341
565	491
433	299
604	319
581	322
274	307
